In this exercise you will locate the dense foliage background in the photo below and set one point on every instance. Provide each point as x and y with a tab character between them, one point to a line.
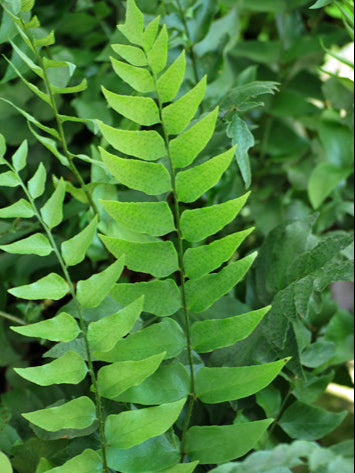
291	113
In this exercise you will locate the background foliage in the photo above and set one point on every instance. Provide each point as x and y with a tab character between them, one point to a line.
267	64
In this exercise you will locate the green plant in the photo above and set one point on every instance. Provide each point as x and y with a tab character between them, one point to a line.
249	51
136	372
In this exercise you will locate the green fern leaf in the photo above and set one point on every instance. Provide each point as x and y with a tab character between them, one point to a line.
68	369
116	378
131	428
159	259
162	298
139	79
36	185
169	383
215	444
151	178
203	259
134	25
27	5
19	159
203	292
87	462
77	414
9	179
47	40
147	145
179	114
186	147
153	218
62	328
169	83
215	385
135	56
20	209
182	468
210	335
27	60
70	90
105	333
198	224
92	292
167	336
193	183
74	250
142	110
158	54
52	211
52	286
150	34
36	244
154	454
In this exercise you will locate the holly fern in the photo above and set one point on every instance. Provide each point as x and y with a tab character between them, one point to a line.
154	377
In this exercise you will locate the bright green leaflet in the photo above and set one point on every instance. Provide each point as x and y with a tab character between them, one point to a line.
166	336
5	465
52	286
37	184
36	244
206	258
131	428
52	211
77	414
151	178
199	224
153	218
142	110
179	114
139	79
216	444
116	378
158	54
131	54
210	335
154	455
169	383
162	298
68	369
147	145
92	292
159	259
193	183
202	293
87	462
169	83
133	27
19	159
9	179
214	385
185	148
150	33
104	334
62	328
20	209
74	250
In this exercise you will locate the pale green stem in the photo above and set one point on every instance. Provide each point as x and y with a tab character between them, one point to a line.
12	318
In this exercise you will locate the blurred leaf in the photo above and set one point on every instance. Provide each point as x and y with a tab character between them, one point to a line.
302	421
